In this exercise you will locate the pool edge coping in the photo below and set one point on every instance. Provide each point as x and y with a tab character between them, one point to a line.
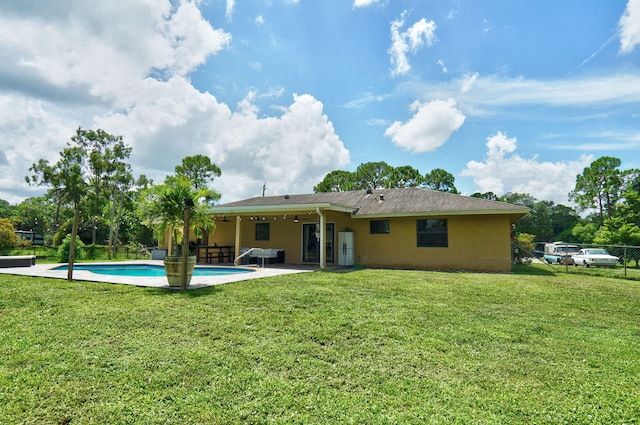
46	270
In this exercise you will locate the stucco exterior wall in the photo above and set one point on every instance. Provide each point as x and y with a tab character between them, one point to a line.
476	242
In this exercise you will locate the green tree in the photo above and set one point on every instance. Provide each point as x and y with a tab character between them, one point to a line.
6	210
199	170
599	187
538	221
404	176
563	219
69	184
37	214
108	174
336	181
441	180
372	175
585	231
487	195
380	175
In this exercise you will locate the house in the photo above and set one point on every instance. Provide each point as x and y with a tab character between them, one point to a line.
382	228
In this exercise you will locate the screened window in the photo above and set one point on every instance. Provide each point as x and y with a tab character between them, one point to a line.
262	231
379	226
432	233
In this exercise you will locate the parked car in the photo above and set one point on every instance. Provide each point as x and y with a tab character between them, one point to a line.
559	253
594	257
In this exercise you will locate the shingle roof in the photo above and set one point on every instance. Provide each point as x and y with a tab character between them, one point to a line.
380	202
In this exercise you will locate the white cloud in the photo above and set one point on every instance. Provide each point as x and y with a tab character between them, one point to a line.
259	20
430	127
291	152
476	94
416	36
630	27
30	130
126	70
443	66
229	9
504	171
364	3
101	50
365	99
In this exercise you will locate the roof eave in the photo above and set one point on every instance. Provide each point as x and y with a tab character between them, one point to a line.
280	208
519	213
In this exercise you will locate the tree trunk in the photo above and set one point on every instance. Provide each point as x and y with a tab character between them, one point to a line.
94	231
112	214
116	226
72	247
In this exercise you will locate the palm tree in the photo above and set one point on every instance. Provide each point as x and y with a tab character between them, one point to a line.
162	207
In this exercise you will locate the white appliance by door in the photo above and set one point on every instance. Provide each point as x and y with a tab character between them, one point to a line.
345	249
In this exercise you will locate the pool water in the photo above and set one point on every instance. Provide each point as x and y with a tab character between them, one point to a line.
148	270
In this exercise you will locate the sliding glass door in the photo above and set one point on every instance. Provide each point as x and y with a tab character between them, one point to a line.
311	243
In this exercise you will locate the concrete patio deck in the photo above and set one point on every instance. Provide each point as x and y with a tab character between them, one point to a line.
46	270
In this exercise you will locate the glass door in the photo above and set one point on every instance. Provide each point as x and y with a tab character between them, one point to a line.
311	243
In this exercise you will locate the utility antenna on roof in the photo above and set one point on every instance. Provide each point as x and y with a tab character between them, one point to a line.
264	188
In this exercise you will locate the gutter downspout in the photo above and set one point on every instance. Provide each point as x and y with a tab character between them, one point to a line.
323	237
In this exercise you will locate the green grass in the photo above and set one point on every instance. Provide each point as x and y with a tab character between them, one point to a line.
367	347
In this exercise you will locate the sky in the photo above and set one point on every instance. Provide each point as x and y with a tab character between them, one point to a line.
508	96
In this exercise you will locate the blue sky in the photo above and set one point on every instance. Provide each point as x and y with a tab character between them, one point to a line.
513	96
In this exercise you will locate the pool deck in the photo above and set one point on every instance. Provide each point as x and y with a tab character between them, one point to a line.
45	270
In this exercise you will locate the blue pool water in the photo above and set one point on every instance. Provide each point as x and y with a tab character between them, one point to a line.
148	270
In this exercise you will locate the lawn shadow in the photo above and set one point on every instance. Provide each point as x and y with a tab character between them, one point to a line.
191	292
535	269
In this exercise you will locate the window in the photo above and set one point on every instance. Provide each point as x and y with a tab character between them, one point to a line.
432	233
262	231
379	226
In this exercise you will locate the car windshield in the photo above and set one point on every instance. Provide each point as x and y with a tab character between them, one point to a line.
567	249
597	252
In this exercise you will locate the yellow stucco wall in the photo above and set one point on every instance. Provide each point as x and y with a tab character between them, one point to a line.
477	242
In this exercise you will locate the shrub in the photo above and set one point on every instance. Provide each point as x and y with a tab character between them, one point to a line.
95	252
63	250
8	238
524	247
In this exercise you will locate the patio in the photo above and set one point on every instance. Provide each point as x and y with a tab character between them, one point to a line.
46	270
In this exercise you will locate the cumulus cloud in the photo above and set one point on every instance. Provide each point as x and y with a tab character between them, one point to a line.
429	128
127	71
503	170
102	50
411	40
630	27
291	152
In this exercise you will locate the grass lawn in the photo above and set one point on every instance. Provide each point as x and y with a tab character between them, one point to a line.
366	347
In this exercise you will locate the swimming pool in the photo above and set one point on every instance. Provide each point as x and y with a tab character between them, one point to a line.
149	270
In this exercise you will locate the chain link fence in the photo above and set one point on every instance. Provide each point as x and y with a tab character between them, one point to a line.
628	266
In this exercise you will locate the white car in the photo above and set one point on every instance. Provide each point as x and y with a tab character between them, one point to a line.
596	257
